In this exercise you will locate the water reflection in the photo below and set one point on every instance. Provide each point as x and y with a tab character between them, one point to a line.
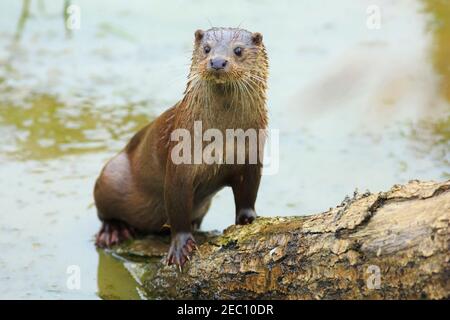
114	280
431	138
24	15
439	25
44	127
432	133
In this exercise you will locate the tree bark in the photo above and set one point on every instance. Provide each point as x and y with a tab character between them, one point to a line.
387	245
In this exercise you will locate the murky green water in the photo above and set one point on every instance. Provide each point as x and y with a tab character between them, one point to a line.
357	108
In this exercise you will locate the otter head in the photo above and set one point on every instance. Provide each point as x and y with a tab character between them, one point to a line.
226	55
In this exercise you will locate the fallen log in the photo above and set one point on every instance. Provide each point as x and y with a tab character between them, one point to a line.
386	245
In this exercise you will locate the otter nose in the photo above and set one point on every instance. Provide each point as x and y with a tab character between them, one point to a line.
218	63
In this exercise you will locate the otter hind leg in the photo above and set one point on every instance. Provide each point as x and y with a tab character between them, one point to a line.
196	224
113	232
199	214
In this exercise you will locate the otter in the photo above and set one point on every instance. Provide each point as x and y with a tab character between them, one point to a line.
141	190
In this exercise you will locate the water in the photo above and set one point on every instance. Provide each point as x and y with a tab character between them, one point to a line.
357	108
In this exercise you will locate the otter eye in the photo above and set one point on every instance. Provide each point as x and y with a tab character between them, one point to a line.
238	51
207	49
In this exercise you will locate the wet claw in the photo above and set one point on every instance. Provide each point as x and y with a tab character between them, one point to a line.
183	244
112	233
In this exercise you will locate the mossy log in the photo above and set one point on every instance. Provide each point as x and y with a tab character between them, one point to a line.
387	245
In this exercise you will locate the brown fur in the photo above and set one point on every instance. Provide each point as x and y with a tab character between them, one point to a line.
142	186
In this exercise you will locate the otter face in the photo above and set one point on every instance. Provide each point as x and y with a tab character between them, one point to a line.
226	55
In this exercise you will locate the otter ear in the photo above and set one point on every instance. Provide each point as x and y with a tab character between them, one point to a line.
199	35
257	38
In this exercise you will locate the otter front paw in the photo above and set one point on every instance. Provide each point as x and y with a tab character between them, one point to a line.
181	248
245	216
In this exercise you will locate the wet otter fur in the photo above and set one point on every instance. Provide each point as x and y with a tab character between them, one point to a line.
141	189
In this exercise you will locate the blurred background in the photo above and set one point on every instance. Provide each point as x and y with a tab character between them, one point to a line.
358	105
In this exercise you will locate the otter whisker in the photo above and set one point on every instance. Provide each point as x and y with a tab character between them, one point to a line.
255	84
256	77
247	87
